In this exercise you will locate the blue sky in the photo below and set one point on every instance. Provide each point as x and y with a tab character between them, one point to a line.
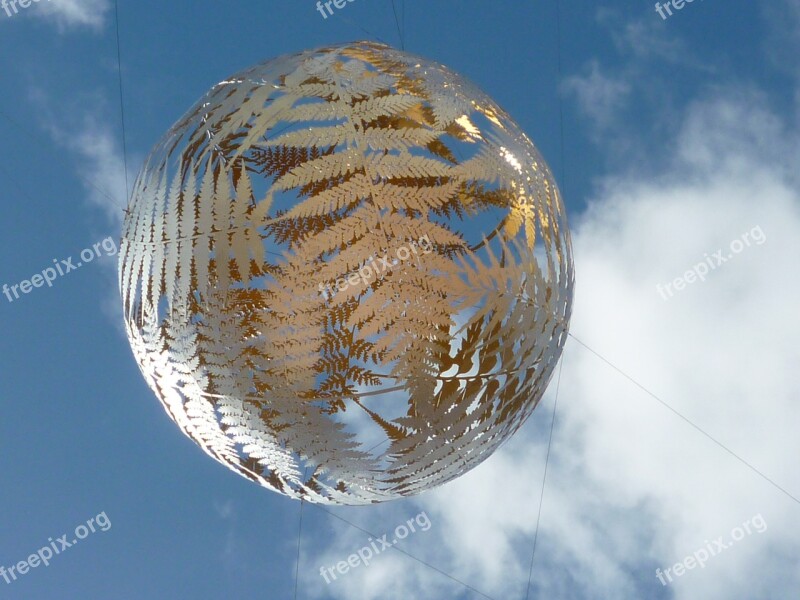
680	135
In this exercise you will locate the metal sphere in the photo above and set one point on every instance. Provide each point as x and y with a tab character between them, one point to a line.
346	274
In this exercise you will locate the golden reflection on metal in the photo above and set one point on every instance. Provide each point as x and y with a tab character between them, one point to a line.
346	274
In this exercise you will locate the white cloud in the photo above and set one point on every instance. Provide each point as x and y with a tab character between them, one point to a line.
95	145
643	38
647	38
599	96
102	167
225	511
639	86
73	13
102	170
232	554
631	486
96	148
783	39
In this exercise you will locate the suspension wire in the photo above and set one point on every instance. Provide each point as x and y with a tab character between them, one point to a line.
399	29
357	26
544	477
121	103
687	420
403	19
299	533
411	556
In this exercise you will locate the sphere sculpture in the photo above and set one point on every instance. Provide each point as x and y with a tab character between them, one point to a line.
346	274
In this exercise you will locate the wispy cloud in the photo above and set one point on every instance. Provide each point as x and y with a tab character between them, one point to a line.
94	146
783	39
102	167
232	553
599	96
67	14
82	126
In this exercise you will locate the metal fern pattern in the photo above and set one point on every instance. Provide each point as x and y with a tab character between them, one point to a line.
306	170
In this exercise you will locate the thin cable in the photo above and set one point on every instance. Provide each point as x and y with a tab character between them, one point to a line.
403	19
22	189
399	30
369	33
411	556
121	104
686	419
299	532
544	477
